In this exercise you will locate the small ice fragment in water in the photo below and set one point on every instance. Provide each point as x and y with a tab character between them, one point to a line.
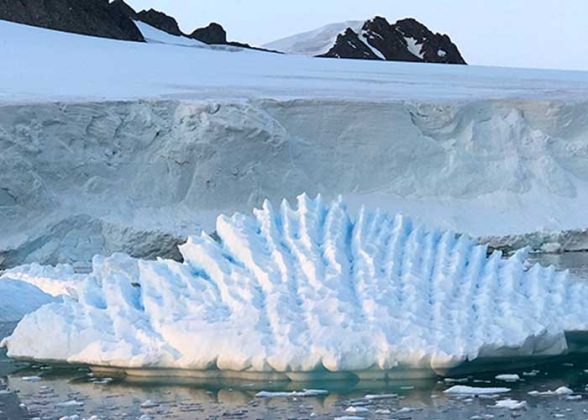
303	393
562	390
507	377
455	380
405	410
31	378
380	396
510	404
71	403
471	390
532	373
101	381
573	397
149	404
354	409
349	418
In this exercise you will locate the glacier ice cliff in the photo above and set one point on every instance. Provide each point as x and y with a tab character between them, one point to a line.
308	289
139	177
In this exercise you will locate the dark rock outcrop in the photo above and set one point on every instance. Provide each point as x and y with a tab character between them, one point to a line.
121	7
348	45
215	34
435	47
86	17
405	40
160	21
212	34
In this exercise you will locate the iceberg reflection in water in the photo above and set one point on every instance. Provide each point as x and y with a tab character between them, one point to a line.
309	293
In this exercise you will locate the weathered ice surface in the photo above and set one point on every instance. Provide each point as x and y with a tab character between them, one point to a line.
139	177
309	289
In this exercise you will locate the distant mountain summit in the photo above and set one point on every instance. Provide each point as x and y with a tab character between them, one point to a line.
374	39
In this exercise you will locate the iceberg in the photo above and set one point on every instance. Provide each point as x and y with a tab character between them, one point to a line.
17	298
300	292
52	280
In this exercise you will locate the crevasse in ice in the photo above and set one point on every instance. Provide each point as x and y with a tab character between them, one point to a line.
310	288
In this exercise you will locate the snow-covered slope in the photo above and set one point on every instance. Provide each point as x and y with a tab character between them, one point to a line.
37	62
154	35
115	146
310	289
316	42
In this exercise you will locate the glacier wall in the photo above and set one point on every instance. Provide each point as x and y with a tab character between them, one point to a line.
308	289
79	179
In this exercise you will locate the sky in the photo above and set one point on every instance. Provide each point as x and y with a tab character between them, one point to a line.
511	33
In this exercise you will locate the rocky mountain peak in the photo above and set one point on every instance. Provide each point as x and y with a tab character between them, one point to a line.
406	40
160	21
211	34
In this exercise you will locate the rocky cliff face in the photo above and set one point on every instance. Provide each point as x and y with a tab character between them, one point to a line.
160	21
405	40
86	17
121	7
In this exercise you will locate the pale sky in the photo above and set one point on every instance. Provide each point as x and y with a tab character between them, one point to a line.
514	33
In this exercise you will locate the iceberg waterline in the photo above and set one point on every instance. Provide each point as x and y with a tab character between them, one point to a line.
309	289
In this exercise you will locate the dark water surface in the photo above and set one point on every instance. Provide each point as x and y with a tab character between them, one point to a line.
50	393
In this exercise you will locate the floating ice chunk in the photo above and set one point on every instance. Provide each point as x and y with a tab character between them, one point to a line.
404	410
71	403
562	390
149	404
349	418
510	404
309	289
533	372
356	409
380	396
303	393
508	377
31	378
455	380
471	390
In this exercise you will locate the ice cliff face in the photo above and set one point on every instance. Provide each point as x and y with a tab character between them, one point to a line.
309	289
139	177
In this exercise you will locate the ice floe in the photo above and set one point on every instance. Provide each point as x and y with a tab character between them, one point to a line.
471	390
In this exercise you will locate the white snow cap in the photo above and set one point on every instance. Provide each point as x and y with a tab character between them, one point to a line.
306	289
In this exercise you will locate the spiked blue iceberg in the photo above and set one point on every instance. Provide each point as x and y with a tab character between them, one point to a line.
296	292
